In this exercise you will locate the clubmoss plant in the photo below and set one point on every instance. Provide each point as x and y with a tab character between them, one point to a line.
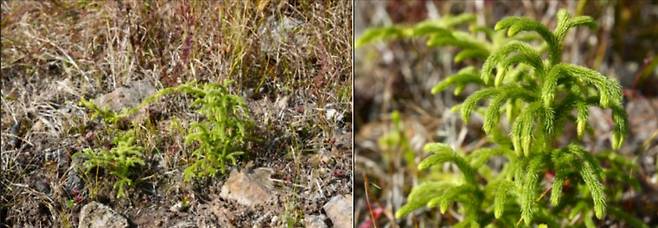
120	161
531	96
218	137
221	135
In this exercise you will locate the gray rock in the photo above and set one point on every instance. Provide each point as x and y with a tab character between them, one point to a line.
126	97
248	189
178	207
98	215
339	210
315	221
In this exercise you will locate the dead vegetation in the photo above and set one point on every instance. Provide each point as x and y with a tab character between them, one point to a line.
290	60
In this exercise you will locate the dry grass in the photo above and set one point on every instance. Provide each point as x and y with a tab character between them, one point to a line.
291	61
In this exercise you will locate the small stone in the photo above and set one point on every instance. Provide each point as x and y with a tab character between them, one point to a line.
98	215
331	114
315	221
248	190
263	176
126	97
177	207
339	210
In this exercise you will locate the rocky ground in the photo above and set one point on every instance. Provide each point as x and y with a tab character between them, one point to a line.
290	61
